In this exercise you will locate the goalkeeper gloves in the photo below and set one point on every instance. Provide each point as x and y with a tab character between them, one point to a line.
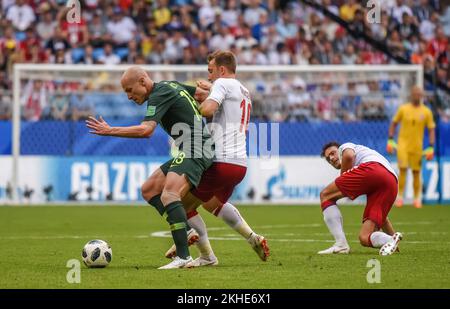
429	153
391	145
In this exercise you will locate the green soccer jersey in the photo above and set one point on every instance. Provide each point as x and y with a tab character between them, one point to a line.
172	105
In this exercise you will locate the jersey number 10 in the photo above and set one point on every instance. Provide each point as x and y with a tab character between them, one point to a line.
245	118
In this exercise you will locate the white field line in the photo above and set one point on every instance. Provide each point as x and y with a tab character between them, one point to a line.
167	234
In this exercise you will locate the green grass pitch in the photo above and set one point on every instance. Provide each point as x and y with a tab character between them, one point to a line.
37	242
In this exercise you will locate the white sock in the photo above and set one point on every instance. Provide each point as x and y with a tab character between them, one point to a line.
203	244
333	219
233	218
378	239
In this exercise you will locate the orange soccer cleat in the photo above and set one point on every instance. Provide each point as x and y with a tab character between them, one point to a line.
399	202
417	203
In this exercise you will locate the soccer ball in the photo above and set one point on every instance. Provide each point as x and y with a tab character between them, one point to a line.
96	254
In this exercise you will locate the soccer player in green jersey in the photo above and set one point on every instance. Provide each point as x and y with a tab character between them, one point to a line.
172	105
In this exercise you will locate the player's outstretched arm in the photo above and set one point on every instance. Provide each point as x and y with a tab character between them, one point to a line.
101	127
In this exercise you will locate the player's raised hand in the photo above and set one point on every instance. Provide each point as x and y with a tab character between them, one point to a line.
98	126
205	85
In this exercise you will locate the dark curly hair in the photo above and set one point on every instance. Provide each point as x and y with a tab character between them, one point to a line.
328	145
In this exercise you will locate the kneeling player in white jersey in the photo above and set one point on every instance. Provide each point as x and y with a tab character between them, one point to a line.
363	171
229	105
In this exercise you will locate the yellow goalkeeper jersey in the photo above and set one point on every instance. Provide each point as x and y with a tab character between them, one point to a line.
413	121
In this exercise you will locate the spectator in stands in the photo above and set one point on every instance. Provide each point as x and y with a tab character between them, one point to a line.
428	26
324	106
253	12
207	13
372	107
246	41
77	34
98	32
59	104
121	28
280	56
398	11
47	25
88	56
156	55
33	100
347	11
21	15
350	104
5	106
61	55
407	28
438	45
109	57
81	106
133	52
11	54
221	40
185	31
422	10
286	27
162	13
174	46
359	22
57	41
299	102
395	44
27	44
230	14
257	56
349	56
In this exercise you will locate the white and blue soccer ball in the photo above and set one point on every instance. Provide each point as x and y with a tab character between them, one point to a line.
97	254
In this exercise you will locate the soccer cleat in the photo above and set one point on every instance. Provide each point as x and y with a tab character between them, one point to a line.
203	261
259	244
336	249
192	239
177	262
417	203
391	247
399	202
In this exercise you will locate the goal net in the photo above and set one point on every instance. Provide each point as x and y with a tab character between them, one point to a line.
53	158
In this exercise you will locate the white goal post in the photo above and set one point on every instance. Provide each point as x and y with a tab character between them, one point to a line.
56	71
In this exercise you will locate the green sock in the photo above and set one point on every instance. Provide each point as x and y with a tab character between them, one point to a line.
176	216
156	202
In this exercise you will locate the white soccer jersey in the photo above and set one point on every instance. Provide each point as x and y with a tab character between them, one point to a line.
365	154
230	121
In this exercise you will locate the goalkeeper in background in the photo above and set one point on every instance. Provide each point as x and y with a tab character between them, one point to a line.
413	117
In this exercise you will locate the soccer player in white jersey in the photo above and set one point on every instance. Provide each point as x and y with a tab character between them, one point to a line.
229	105
363	171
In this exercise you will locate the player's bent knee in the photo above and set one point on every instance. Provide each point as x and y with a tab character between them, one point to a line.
149	190
168	197
323	195
364	240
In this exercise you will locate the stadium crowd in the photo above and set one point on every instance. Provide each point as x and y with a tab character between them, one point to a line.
259	32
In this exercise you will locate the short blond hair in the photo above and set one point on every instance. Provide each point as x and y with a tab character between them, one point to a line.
224	58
